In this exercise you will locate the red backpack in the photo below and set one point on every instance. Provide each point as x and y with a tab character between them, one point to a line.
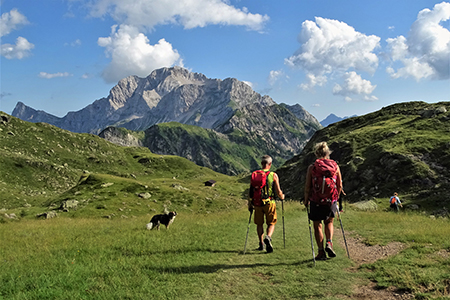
259	189
393	200
324	187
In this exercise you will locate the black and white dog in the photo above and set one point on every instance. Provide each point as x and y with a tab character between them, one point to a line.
165	219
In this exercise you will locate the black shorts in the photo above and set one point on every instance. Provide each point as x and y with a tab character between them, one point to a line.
394	206
319	212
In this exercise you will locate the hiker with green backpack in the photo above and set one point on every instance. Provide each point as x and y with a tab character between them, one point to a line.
322	189
263	186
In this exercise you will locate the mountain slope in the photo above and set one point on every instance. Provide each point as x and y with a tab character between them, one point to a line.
233	148
43	166
403	147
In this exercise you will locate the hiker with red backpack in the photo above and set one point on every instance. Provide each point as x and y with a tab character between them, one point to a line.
322	189
263	186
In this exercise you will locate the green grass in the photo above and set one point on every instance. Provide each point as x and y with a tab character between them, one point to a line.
200	256
423	267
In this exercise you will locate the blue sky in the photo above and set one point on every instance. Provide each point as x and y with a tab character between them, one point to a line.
342	57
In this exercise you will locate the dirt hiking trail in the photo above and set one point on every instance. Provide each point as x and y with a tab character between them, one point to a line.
360	254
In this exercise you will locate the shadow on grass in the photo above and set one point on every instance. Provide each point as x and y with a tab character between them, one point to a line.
133	252
217	267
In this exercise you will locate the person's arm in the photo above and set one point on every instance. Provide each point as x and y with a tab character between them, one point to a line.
307	186
249	199
339	181
277	186
399	202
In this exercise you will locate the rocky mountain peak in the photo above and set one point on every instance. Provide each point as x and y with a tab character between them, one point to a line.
124	90
166	95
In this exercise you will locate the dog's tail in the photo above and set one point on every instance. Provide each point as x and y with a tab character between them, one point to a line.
149	226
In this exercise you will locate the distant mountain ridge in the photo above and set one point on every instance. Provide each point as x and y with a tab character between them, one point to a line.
229	107
332	118
166	95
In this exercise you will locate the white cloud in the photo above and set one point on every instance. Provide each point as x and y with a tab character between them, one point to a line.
312	81
54	75
132	54
329	46
426	51
10	21
75	43
188	13
20	50
274	76
355	85
250	84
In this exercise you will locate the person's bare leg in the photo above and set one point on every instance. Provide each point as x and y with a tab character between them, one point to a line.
318	234
270	230
260	232
329	229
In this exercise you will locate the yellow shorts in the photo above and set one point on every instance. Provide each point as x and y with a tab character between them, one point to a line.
270	211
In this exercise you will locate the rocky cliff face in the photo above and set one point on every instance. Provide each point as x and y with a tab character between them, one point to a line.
121	137
167	94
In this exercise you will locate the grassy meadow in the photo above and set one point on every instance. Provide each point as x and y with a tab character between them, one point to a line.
101	249
201	256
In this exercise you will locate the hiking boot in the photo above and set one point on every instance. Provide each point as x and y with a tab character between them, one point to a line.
268	242
261	247
321	255
329	249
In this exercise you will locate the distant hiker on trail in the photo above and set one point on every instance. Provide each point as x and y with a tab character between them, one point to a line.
394	202
263	186
322	189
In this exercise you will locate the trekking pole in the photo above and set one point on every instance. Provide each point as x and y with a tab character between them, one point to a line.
282	214
342	227
310	234
248	228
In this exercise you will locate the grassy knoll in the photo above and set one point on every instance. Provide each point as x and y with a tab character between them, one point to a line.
404	147
200	256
